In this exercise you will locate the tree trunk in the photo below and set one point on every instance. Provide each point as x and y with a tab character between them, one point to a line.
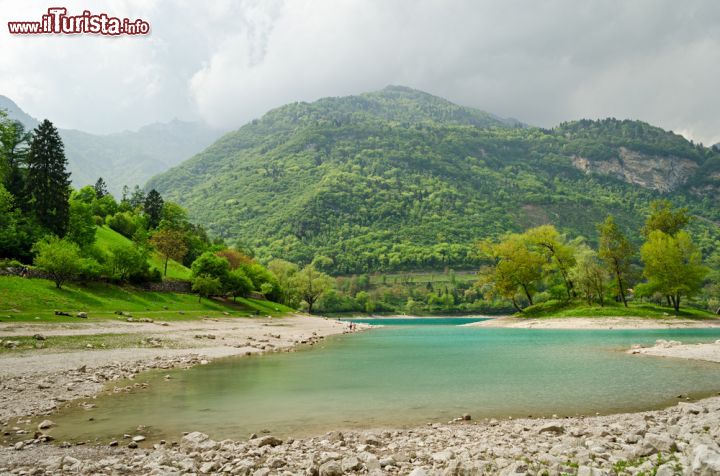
620	285
677	304
515	304
167	258
527	294
669	303
310	305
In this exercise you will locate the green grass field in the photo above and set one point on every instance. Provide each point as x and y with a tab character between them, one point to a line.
553	309
106	238
37	299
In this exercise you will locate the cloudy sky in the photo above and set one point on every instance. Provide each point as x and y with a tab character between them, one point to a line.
229	61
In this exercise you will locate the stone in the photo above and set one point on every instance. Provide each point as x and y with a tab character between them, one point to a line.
331	468
705	461
350	464
113	443
45	424
690	408
138	438
552	428
262	472
370	439
418	472
661	443
19	445
82	315
198	441
132	445
208	467
266	441
667	469
442	456
39	337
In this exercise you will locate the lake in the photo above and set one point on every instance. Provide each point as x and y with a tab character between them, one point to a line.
411	372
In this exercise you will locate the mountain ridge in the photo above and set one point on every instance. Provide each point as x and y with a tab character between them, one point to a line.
129	157
401	180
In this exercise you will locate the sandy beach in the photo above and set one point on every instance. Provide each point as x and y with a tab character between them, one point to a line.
595	323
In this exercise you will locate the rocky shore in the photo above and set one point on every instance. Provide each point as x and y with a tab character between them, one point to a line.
683	439
679	440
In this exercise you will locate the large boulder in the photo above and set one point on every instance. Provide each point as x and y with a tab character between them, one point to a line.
197	441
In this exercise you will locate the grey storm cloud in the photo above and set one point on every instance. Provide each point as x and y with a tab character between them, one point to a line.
228	62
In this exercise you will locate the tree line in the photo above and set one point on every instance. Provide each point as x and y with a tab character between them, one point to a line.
543	262
44	221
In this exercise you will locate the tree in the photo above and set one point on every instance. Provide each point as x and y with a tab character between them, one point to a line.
153	207
17	231
311	284
665	218
616	251
673	266
81	227
60	258
127	262
589	275
173	216
170	244
284	272
14	141
560	255
48	182
209	264
517	269
237	283
137	198
206	286
100	188
234	257
260	276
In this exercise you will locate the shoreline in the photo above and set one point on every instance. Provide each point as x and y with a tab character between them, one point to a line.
35	383
595	323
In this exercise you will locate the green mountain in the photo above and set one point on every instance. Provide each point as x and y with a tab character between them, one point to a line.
399	179
125	158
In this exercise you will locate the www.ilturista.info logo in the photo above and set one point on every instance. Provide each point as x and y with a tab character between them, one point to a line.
57	21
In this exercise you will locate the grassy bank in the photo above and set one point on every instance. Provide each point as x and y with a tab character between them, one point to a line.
107	238
553	309
37	299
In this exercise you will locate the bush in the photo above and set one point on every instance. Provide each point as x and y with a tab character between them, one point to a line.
59	258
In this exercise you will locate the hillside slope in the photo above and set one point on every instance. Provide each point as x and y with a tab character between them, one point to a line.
107	238
125	158
399	179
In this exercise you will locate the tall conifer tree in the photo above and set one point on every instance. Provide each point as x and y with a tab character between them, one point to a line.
48	181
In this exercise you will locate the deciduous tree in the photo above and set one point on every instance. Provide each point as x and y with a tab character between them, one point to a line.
616	251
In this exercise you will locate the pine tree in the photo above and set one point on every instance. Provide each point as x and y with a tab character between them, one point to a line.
100	188
153	208
48	181
14	140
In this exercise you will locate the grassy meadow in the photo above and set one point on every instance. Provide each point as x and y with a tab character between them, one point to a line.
37	299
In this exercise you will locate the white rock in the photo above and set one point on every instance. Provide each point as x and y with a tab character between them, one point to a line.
705	461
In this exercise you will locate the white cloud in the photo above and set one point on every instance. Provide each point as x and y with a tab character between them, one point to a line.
230	61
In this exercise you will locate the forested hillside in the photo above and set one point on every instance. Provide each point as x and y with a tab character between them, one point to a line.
400	180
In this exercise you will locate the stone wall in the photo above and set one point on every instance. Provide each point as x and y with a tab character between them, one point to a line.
169	286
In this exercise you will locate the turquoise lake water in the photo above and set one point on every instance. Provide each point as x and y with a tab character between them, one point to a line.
406	374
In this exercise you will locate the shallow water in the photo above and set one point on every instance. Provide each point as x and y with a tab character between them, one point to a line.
403	375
